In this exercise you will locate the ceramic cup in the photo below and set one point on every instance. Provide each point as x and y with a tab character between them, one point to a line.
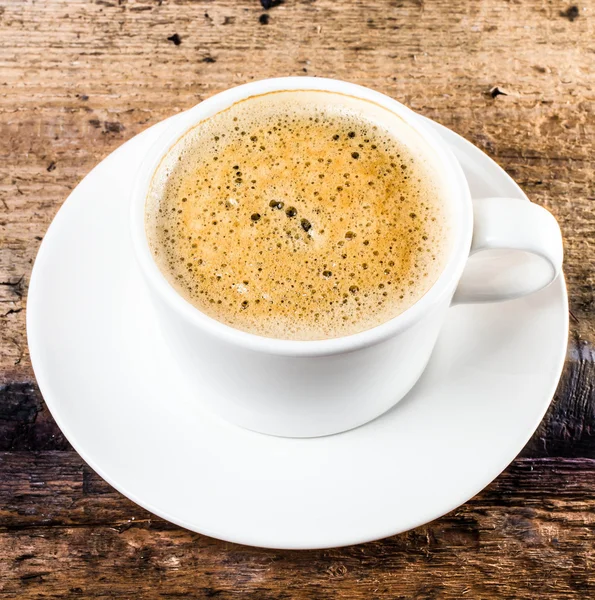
314	388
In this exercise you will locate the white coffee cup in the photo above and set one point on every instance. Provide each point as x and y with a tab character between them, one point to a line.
313	388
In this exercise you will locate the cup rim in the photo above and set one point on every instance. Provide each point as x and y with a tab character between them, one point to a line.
442	288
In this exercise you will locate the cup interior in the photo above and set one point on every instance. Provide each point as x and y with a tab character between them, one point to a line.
457	196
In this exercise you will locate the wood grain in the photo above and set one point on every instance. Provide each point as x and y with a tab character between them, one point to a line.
529	535
78	78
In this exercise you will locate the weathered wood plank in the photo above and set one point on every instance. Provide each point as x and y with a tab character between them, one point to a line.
73	93
528	535
25	421
568	430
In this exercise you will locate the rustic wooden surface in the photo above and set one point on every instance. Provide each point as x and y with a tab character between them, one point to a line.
78	78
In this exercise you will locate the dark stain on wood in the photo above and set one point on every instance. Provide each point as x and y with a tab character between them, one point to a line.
569	427
25	422
19	403
107	126
23	557
112	127
268	4
496	91
571	13
14	288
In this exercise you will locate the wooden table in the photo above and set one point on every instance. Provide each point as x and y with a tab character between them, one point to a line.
78	78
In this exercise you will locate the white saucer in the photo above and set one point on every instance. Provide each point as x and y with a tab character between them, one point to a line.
120	400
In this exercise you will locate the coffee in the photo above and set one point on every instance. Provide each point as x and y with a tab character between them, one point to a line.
299	215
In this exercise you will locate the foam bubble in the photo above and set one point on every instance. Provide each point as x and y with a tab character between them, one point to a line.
299	215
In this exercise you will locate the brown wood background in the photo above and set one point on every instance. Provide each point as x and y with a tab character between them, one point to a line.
78	78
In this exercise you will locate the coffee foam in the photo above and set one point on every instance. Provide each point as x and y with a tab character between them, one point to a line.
299	215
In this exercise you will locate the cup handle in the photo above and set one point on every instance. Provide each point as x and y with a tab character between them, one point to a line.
516	250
